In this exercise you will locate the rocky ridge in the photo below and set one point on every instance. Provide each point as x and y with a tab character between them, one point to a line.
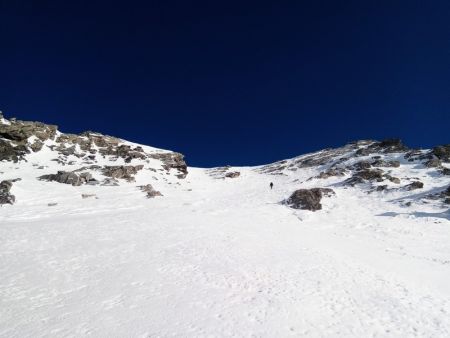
88	158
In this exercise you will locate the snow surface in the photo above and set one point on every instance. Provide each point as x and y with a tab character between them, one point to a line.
220	258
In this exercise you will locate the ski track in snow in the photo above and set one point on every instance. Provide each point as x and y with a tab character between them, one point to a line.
225	259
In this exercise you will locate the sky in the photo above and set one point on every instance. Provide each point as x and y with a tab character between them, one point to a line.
231	82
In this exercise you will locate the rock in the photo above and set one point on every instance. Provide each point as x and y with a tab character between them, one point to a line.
122	172
12	153
233	174
362	165
67	178
5	195
172	161
151	192
447	192
386	164
414	185
308	199
442	152
333	172
445	171
433	163
52	204
395	180
391	145
20	131
37	146
382	187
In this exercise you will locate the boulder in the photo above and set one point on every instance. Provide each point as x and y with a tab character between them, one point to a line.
308	199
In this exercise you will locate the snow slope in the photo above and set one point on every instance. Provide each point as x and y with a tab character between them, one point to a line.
221	257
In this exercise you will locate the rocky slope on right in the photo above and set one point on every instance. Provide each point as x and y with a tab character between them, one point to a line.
376	167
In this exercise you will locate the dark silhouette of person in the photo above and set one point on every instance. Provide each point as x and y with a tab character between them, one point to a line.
271	185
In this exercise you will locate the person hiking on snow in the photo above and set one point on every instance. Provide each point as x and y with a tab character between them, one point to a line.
271	185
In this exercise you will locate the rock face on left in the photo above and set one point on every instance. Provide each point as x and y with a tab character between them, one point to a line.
88	158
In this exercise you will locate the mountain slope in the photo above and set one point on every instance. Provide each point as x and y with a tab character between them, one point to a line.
220	254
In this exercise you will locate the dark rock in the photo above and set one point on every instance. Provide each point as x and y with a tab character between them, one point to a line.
364	176
52	204
442	152
151	192
391	145
382	187
308	199
5	195
447	192
445	171
84	196
233	174
414	185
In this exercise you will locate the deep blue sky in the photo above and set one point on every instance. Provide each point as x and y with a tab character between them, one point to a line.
231	82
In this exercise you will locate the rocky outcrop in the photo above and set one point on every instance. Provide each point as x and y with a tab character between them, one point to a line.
172	161
20	131
308	199
125	172
9	152
150	191
65	177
